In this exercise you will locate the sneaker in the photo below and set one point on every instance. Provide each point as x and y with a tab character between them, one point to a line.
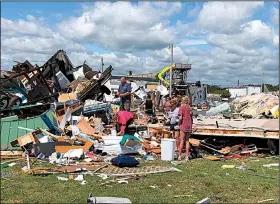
181	157
176	156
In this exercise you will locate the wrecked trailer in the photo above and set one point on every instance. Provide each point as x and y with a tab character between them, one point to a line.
264	132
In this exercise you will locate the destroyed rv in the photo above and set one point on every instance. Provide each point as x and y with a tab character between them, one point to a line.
63	114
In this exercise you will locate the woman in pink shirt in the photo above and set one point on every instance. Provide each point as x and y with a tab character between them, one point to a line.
185	125
125	118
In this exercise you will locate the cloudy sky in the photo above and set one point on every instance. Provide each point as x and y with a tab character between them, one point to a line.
224	41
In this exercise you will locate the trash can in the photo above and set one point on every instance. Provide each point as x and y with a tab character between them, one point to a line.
167	149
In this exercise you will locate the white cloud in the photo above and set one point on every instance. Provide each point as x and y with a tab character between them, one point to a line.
28	40
121	63
138	36
276	41
252	35
193	42
163	56
32	26
38	44
225	17
222	68
125	26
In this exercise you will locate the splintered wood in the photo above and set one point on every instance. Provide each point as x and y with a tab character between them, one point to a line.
136	171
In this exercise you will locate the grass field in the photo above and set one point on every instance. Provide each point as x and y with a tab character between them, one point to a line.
199	178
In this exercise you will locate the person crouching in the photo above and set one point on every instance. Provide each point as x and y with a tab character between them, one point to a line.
125	118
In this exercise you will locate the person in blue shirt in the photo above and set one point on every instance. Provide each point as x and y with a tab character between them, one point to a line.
124	93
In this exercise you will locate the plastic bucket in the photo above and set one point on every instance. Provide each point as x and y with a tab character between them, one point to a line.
167	149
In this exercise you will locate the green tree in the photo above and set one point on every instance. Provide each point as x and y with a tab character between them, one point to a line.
225	94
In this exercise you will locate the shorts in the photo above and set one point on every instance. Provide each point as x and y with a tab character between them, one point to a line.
125	105
187	131
174	127
149	112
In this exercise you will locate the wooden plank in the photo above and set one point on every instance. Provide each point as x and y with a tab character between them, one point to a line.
267	136
156	150
64	149
237	133
67	96
11	153
28	138
85	127
194	142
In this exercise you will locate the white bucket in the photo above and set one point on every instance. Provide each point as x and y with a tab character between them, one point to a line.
167	149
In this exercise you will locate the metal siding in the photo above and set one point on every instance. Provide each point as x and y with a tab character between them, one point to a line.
5	132
10	130
237	92
22	123
252	90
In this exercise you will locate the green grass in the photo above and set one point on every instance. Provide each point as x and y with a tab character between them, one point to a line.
199	178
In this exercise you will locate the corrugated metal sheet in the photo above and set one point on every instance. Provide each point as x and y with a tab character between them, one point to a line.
10	130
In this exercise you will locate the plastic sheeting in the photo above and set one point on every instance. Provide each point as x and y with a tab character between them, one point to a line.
218	110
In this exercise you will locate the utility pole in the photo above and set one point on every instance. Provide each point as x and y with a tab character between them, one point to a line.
261	74
263	82
170	71
102	64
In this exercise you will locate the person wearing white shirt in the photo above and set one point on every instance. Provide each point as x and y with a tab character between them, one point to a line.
173	119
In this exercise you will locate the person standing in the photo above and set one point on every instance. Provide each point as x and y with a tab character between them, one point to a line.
149	105
124	93
185	126
173	119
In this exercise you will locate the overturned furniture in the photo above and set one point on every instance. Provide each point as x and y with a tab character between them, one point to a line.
36	86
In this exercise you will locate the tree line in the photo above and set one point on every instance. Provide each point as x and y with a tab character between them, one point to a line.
214	89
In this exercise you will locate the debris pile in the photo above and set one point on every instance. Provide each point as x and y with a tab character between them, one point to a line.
56	81
255	105
70	119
